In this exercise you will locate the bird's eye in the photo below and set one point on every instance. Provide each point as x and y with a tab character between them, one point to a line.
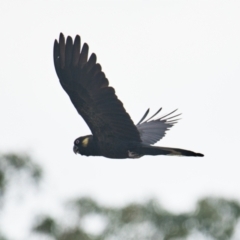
77	141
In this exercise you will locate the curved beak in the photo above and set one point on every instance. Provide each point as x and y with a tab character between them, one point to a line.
75	149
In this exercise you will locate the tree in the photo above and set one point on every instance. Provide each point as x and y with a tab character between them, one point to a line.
13	168
85	219
213	217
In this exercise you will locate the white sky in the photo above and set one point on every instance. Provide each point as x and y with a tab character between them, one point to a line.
170	54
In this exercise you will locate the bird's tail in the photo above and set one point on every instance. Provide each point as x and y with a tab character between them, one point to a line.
154	150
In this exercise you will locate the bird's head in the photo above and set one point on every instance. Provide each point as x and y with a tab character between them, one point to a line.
83	145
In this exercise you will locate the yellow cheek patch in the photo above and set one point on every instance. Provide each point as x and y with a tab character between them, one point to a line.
85	142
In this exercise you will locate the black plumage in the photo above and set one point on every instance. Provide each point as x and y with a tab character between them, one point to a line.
114	135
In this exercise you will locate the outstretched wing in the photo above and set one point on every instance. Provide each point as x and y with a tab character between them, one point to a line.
154	130
89	91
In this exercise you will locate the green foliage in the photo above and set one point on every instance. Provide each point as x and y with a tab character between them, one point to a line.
46	225
215	218
14	165
18	163
2	238
14	168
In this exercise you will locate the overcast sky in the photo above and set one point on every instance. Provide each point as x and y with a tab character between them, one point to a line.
170	54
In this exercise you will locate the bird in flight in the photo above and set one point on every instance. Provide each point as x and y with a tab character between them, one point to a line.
114	135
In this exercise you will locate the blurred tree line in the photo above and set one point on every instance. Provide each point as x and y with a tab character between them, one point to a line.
85	219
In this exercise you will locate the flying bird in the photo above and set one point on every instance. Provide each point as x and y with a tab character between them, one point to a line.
114	135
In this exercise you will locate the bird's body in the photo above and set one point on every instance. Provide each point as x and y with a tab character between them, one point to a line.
111	148
114	133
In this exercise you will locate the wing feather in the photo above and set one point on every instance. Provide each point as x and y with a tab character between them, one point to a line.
76	51
68	52
89	91
154	130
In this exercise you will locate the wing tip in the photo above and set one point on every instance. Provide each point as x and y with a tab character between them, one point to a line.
61	37
85	47
77	39
69	40
144	116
